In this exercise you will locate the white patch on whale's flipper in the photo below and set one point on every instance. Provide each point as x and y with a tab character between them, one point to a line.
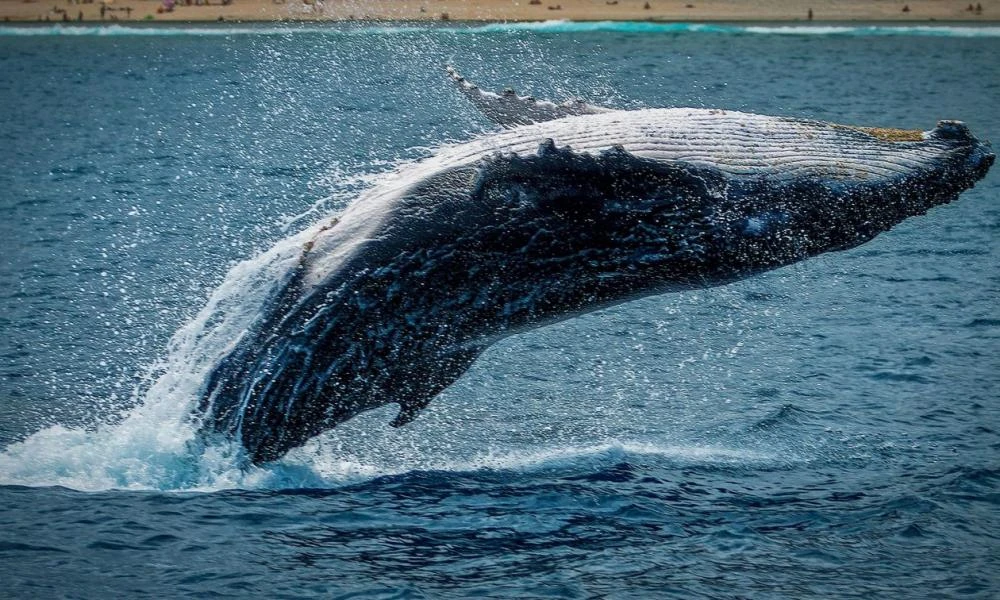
507	109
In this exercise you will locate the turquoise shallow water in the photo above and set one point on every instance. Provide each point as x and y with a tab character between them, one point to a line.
825	430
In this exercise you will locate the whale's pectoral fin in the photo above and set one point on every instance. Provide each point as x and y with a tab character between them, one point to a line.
450	365
507	109
407	412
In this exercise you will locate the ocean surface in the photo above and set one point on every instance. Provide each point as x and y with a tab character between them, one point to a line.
827	430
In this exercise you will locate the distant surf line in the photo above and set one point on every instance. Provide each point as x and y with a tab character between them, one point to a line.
546	27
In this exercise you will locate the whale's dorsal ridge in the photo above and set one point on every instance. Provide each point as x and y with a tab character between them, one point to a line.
547	147
507	109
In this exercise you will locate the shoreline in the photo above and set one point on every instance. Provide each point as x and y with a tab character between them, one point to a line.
801	12
152	23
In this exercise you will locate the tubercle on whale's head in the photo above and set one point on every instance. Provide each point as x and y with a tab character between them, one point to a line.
976	157
949	129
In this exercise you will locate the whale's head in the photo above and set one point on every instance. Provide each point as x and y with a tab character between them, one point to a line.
707	207
872	180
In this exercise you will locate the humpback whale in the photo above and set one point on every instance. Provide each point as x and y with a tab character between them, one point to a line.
567	209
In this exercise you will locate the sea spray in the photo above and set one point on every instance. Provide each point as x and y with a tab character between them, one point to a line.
151	446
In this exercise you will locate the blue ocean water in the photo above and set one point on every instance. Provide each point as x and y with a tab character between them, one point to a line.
826	430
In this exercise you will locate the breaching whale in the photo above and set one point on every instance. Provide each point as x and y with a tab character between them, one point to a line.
570	208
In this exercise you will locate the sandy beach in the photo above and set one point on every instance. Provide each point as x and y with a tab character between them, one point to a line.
499	10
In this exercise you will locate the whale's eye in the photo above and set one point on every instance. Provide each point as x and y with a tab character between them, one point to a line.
763	223
754	226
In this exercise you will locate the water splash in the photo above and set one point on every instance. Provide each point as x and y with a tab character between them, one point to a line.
151	446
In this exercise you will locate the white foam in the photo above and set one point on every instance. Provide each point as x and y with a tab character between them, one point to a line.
147	453
150	447
312	468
